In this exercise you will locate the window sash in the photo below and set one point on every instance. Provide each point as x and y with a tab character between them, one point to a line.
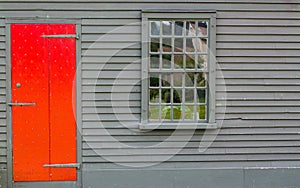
146	70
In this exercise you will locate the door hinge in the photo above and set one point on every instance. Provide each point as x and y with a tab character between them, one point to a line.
67	165
22	104
76	36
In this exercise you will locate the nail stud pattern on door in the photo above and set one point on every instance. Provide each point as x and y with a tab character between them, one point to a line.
43	72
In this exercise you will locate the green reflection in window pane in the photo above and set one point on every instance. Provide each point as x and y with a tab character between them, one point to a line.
154	95
154	112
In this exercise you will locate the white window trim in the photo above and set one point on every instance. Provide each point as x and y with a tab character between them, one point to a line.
178	14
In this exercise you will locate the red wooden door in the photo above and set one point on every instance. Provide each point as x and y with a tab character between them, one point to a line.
43	81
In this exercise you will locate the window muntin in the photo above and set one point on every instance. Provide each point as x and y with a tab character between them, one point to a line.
178	70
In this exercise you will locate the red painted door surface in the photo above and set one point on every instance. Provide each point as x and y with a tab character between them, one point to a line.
43	77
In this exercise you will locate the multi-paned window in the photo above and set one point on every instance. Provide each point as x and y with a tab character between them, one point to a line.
178	69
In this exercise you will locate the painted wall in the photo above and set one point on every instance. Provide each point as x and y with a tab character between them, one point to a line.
257	82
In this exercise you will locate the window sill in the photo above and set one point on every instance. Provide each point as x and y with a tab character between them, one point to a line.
181	126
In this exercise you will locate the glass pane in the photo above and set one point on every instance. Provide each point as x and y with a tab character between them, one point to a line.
154	95
167	28
154	112
154	79
177	112
190	44
202	62
196	45
201	45
166	61
189	79
189	112
154	45
178	61
166	80
201	95
166	112
177	79
155	28
191	28
202	29
154	61
190	61
201	112
189	95
201	79
165	95
177	95
178	45
166	44
178	28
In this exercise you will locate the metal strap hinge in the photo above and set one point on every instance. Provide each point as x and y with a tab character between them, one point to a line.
76	36
21	104
67	165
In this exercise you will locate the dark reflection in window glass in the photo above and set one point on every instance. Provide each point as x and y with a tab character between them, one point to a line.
165	95
201	95
177	95
154	79
201	79
154	45
154	95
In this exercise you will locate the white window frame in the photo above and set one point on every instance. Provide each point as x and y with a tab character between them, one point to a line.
149	15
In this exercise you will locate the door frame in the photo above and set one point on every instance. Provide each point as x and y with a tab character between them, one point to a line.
54	184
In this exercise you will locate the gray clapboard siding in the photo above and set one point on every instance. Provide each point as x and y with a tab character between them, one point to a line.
190	158
3	124
267	82
236	22
275	60
231	144
225	131
257	52
142	5
190	151
160	138
256	38
259	66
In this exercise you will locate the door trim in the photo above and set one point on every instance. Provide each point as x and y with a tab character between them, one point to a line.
77	23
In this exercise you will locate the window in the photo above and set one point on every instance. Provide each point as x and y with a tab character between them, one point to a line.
178	70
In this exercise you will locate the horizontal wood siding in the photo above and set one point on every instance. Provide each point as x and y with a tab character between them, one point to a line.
3	127
258	74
